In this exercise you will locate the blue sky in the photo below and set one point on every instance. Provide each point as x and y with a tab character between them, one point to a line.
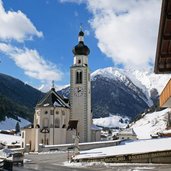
37	37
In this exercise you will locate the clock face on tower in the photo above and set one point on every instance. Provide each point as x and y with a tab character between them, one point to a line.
78	91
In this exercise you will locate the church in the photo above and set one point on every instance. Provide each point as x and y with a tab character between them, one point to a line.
57	120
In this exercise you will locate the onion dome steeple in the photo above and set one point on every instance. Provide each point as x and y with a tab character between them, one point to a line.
81	48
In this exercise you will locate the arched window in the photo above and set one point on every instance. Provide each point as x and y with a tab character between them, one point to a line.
45	123
79	77
57	123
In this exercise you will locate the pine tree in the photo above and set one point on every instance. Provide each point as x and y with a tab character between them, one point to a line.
17	127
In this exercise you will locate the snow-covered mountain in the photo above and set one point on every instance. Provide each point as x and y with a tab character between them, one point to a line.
146	80
125	92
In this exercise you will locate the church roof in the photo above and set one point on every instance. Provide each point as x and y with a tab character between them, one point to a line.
81	48
52	99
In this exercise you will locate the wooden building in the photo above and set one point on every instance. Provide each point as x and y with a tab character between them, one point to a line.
163	54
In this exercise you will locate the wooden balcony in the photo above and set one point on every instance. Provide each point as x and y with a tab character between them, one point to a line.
165	97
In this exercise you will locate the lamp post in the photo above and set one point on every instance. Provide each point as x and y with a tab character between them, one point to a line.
53	123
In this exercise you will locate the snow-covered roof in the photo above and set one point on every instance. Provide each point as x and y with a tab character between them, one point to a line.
135	147
128	131
166	131
95	128
52	99
9	139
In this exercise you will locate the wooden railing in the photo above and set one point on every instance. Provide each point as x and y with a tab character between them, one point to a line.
165	95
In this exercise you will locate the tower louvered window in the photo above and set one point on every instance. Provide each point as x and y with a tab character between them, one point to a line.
79	77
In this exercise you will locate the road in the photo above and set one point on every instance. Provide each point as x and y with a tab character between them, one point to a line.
55	162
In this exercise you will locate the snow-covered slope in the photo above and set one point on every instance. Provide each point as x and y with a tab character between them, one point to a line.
144	79
150	124
112	121
10	123
148	79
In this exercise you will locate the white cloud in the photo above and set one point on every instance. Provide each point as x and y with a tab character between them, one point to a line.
16	26
32	63
87	32
126	30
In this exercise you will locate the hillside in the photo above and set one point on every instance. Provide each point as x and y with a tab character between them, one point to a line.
17	98
150	124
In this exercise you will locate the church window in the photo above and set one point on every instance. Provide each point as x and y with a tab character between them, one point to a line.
78	77
45	123
30	144
51	112
63	112
57	112
46	112
37	126
57	123
22	134
79	61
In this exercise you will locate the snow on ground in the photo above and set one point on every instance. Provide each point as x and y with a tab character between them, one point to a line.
9	139
130	147
138	166
112	121
150	124
10	123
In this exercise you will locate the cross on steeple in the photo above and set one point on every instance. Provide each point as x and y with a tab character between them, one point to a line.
53	84
81	26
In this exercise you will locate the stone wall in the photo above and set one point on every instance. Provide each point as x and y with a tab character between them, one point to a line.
163	157
82	146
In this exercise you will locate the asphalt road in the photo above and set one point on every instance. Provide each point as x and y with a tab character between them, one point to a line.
55	162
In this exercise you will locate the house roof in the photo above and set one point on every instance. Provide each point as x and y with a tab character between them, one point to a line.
95	128
163	52
128	131
52	99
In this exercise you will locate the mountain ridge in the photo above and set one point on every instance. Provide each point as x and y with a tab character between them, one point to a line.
114	91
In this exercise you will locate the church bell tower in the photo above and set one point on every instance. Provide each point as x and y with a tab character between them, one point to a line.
80	90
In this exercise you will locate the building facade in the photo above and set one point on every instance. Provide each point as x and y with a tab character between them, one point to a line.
50	123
